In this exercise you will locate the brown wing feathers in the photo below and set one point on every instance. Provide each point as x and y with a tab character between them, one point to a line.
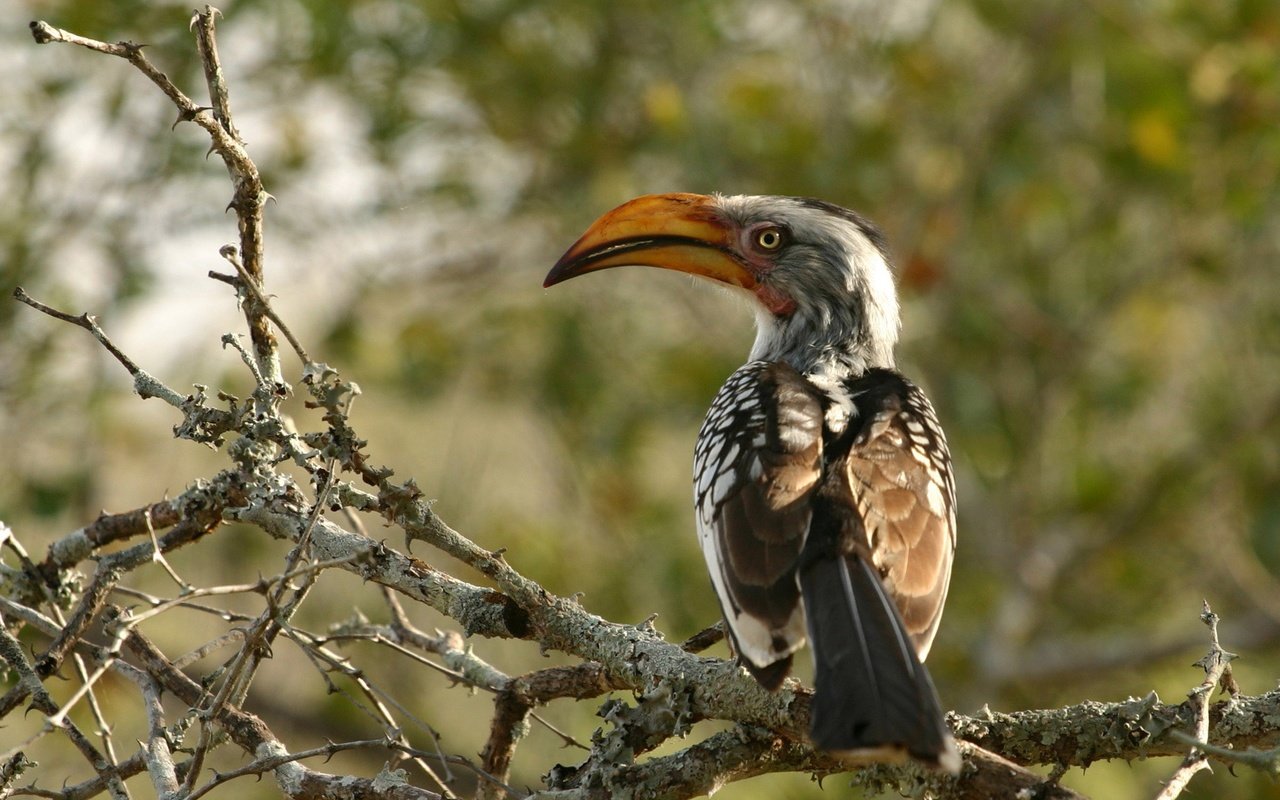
873	574
899	474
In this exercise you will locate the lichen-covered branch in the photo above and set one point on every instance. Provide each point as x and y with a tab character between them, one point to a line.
1080	735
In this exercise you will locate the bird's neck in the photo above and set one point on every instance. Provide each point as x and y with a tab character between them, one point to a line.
830	356
823	345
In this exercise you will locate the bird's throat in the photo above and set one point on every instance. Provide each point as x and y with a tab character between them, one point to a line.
779	303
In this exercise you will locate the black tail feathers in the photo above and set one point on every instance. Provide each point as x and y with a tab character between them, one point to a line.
874	699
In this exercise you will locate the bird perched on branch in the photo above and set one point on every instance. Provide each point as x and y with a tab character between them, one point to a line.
822	482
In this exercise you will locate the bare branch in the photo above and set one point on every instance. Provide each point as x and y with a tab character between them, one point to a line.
156	750
1080	735
219	94
261	765
253	736
510	723
144	383
111	528
249	195
30	685
248	283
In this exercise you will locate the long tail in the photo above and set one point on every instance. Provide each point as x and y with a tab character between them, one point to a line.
874	699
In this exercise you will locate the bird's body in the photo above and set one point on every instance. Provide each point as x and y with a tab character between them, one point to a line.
822	483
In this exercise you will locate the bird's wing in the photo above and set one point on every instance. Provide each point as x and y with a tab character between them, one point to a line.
757	462
899	473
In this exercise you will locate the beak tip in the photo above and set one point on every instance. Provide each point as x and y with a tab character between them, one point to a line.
561	272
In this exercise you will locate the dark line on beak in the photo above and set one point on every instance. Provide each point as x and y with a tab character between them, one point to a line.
622	246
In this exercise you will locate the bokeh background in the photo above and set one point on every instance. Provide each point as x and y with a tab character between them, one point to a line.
1081	198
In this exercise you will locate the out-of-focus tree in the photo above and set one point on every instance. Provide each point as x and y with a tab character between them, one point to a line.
1081	198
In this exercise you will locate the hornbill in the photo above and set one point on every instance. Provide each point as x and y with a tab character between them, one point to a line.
823	491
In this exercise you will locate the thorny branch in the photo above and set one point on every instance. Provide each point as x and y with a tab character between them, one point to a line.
1217	672
249	197
672	688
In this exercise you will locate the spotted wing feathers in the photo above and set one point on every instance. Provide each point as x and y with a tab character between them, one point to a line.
757	463
899	473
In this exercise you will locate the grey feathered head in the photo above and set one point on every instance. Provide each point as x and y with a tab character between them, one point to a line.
817	273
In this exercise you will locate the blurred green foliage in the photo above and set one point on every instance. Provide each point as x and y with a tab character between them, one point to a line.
1081	197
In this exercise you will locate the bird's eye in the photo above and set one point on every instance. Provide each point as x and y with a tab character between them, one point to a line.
769	238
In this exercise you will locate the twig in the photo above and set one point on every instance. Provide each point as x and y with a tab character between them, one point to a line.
1217	671
462	761
227	146
180	602
233	636
159	554
160	606
528	690
1266	761
248	282
249	195
120	629
379	698
253	736
262	765
470	668
704	638
11	653
219	94
144	383
233	341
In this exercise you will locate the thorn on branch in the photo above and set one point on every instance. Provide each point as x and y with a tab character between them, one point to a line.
188	115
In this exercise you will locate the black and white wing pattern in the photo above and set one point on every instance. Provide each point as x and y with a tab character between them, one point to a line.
757	463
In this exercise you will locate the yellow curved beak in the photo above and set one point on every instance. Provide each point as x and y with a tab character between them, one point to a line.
681	232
